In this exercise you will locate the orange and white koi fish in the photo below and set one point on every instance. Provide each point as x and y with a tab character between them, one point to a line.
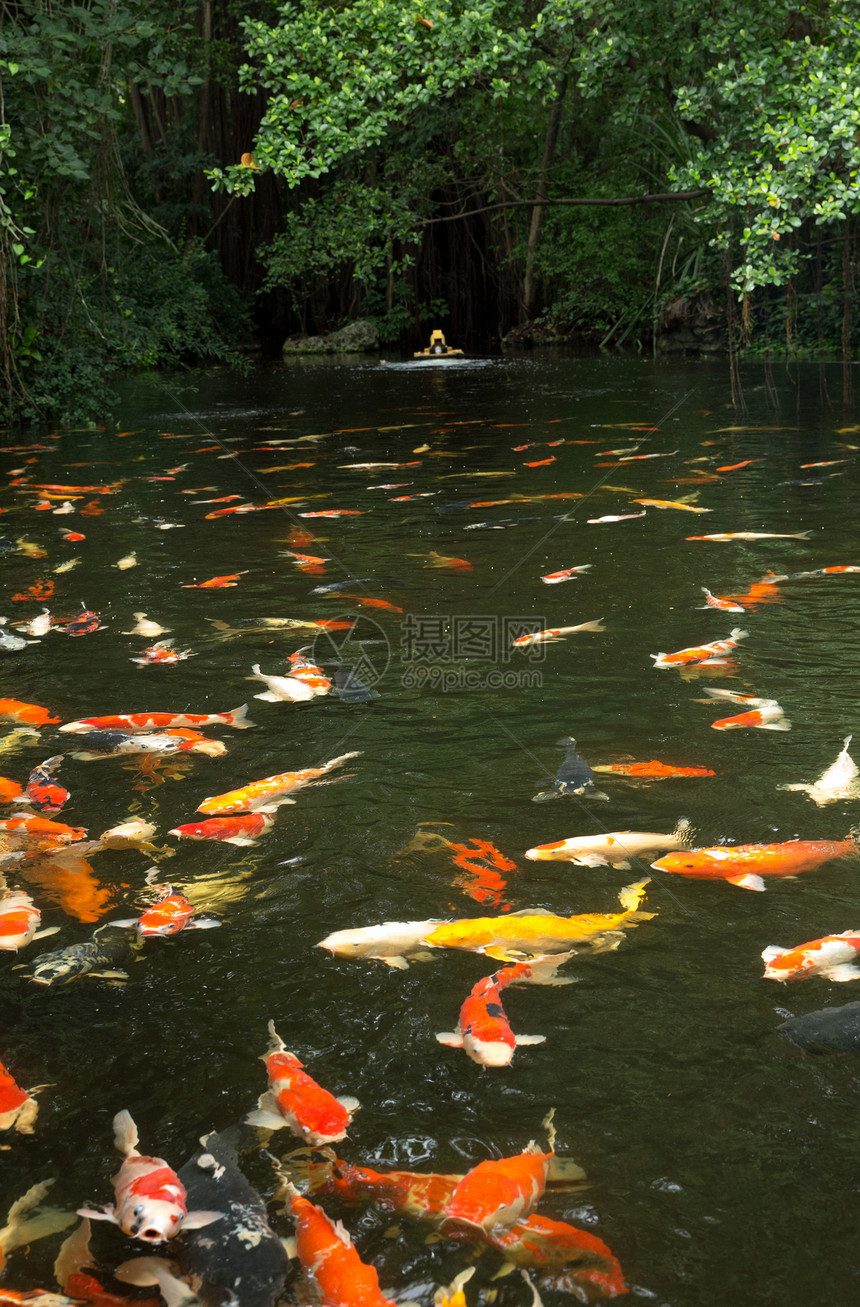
542	1243
368	467
150	1197
556	633
19	922
615	517
170	913
446	560
306	560
243	829
497	1193
42	792
744	865
651	771
681	504
754	535
27	1221
765	591
336	512
841	780
217	582
566	574
73	535
615	849
269	792
763	714
794	576
283	689
80	490
304	670
18	1107
162	654
294	1100
40	828
831	956
144	723
717	601
422	1195
482	862
700	653
484	1032
326	1253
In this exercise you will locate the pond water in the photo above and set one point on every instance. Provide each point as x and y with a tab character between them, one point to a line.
720	1157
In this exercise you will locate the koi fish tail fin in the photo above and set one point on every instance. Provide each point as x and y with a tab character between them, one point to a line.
306	1169
592	626
23	1228
737	633
452	1295
344	757
276	1044
808	789
125	1136
537	971
145	1271
781	724
684	832
802	535
689	499
545	795
632	895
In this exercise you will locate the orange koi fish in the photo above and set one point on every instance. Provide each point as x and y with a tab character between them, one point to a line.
67	879
484	1032
9	789
541	1242
267	793
224	499
80	490
73	535
566	574
445	560
700	653
326	1253
150	1197
718	601
765	714
142	723
336	512
495	1194
556	633
832	956
307	560
733	467
43	829
42	589
541	462
19	921
295	1100
652	770
754	535
744	865
217	582
482	861
170	913
239	508
243	829
423	1196
820	571
18	1108
764	591
42	793
365	602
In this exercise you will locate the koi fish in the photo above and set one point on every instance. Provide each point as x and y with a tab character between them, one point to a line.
445	560
41	791
150	1198
9	789
841	780
364	602
271	791
541	462
85	624
761	592
615	849
725	605
19	922
10	643
41	589
368	467
764	714
672	503
484	1032
744	865
68	566
39	626
482	862
700	653
129	560
304	670
282	689
754	535
733	467
829	1030
326	1253
223	499
615	517
42	829
146	628
556	633
144	723
117	744
73	535
162	654
217	582
18	1107
336	512
652	771
392	942
574	776
832	956
541	1242
422	1195
497	1193
170	914
243	829
98	957
27	1221
295	1100
566	574
306	560
80	490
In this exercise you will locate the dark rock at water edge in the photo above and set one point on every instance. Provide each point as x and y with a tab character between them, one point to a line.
358	337
828	1030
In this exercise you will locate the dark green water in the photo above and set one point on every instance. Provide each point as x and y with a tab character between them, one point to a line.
721	1158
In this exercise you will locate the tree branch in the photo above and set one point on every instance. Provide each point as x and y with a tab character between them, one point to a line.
538	203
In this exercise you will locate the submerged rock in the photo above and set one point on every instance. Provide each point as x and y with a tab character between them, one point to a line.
355	338
828	1030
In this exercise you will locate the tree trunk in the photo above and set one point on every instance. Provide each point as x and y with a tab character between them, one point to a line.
549	146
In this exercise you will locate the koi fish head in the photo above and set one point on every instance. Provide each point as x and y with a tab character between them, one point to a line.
153	1220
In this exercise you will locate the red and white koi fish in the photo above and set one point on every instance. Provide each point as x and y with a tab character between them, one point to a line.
615	517
832	956
170	913
765	714
144	723
794	576
744	865
217	582
42	793
717	601
114	744
581	1263
294	1100
150	1197
566	573
700	653
162	654
19	922
615	848
18	1107
484	1032
495	1194
242	829
556	633
754	535
326	1253
285	689
308	673
83	625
